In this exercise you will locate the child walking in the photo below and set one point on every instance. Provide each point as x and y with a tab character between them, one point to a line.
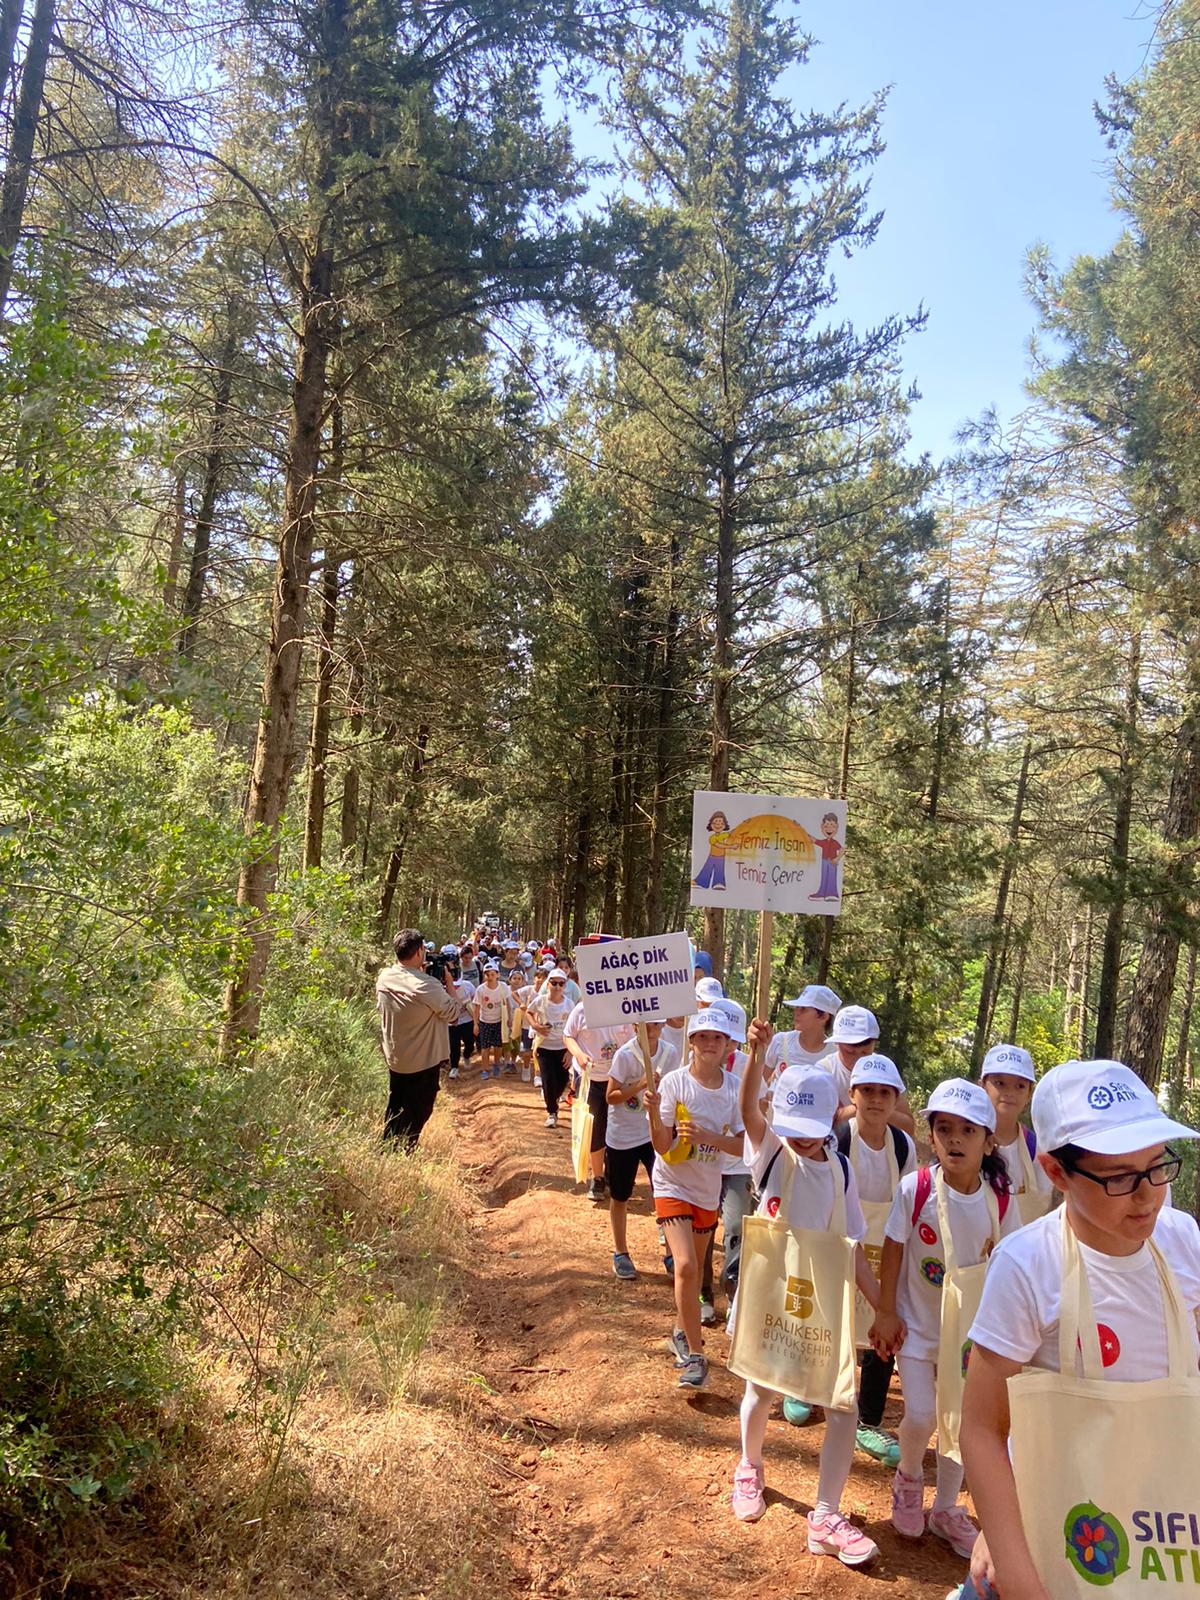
880	1154
793	1156
694	1118
491	1006
627	1143
942	1221
1085	1313
548	1015
1008	1076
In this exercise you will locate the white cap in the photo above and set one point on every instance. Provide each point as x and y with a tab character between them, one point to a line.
708	990
532	944
510	944
733	1014
525	959
449	949
853	1025
1008	1060
709	1021
557	972
804	1103
491	966
547	964
429	945
817	996
877	1069
958	1098
1100	1106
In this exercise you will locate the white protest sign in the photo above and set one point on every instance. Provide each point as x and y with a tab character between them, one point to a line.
768	852
637	980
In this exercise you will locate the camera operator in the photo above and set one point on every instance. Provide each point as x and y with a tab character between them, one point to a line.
415	1010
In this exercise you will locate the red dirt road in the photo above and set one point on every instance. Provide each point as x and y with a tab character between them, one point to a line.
616	1484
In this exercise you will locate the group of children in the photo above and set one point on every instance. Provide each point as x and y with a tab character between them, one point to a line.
809	1133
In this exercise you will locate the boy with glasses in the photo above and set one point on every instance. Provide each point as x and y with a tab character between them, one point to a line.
1117	1249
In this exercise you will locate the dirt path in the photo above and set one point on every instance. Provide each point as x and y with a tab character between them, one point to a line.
616	1483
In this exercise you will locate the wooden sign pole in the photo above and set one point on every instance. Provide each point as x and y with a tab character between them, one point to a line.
766	940
643	1039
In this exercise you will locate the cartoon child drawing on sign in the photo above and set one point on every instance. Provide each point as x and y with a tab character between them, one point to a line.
831	853
712	873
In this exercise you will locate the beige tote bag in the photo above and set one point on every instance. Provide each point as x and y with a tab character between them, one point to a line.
962	1290
875	1214
1031	1201
581	1131
794	1327
1108	1474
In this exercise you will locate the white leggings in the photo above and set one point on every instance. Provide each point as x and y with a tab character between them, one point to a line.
837	1447
918	1379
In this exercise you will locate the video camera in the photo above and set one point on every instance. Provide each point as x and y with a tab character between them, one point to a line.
438	963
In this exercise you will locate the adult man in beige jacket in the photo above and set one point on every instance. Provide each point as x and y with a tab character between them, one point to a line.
415	1011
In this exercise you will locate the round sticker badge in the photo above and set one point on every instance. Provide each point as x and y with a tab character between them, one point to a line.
926	1234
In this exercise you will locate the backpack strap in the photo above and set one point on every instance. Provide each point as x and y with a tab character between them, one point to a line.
843	1138
1030	1142
760	1188
1003	1196
900	1145
845	1161
924	1190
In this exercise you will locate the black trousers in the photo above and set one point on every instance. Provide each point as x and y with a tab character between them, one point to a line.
552	1067
410	1103
873	1388
462	1043
598	1106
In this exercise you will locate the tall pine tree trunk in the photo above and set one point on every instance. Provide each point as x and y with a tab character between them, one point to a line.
1146	1024
11	12
664	742
1108	992
210	488
274	754
721	727
18	161
355	690
322	714
989	985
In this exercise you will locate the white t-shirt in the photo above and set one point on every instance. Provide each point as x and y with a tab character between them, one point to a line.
919	1292
735	1166
696	1178
832	1063
554	1013
493	1004
1018	1316
1016	1167
676	1037
785	1050
812	1197
464	991
598	1044
629	1123
572	992
872	1168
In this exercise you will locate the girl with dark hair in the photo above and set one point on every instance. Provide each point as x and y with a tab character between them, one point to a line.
944	1224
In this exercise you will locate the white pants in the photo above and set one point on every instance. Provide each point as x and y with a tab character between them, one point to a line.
837	1447
918	1379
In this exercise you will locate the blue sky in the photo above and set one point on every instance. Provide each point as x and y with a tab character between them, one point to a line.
992	146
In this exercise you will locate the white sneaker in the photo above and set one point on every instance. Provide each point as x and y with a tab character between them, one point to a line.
453	1073
551	1121
537	1083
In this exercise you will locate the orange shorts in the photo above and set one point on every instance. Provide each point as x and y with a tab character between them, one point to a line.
667	1207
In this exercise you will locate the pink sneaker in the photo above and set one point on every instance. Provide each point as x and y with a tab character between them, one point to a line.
829	1534
747	1497
908	1506
956	1528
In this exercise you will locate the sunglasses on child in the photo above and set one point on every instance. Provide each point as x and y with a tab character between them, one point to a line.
1119	1183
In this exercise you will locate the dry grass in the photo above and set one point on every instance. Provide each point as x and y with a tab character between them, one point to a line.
356	1470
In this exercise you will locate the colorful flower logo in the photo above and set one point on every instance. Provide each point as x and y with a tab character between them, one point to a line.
1096	1544
926	1234
933	1270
